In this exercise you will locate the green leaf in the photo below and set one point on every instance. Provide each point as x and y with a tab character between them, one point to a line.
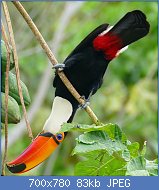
126	155
152	167
99	163
83	128
107	151
137	167
97	140
138	173
113	130
117	133
133	149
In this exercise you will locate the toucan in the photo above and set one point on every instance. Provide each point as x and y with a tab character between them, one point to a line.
84	67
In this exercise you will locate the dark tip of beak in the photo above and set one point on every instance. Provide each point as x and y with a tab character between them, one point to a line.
16	168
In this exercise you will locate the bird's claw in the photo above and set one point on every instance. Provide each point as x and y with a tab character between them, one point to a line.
87	103
59	66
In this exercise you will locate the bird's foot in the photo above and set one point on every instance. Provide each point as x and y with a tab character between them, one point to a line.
59	67
87	103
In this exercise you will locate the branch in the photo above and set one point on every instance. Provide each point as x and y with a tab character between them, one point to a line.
53	60
9	25
63	21
6	97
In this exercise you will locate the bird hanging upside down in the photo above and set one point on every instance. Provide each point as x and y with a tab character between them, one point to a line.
85	68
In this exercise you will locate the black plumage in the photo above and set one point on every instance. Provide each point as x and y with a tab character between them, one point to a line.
86	65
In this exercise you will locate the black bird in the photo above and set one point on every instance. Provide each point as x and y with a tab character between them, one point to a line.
85	68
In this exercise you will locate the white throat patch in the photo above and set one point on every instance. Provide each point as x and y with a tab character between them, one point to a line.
60	113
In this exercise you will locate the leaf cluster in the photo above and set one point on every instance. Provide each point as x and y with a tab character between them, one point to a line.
106	151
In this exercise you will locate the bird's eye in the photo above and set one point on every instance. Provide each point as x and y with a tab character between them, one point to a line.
60	137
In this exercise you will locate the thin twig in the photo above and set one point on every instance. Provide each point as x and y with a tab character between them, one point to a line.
6	98
53	59
9	25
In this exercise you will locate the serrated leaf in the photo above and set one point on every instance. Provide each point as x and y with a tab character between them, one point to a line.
117	133
138	173
137	167
97	140
83	128
126	155
152	167
113	130
107	151
93	137
133	149
102	165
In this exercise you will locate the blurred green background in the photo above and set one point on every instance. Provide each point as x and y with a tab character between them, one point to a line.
127	97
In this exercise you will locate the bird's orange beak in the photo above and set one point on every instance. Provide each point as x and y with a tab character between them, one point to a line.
39	150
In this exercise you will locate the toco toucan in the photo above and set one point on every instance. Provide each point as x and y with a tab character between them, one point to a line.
85	68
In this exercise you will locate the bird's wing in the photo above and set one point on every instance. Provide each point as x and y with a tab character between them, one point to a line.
87	41
72	62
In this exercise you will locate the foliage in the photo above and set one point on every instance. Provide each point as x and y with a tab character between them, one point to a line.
107	151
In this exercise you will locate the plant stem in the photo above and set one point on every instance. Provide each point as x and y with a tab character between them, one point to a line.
6	98
10	30
53	60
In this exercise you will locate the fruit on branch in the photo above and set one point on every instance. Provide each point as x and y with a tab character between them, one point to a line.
14	115
13	89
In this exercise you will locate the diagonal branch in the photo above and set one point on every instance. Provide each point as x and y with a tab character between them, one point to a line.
9	25
53	59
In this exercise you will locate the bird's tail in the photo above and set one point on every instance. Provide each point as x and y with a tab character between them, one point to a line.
129	29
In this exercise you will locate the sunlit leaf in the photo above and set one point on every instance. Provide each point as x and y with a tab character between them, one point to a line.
108	145
133	149
83	127
152	167
100	163
137	167
97	140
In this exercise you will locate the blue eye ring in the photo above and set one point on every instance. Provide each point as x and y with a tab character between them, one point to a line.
59	137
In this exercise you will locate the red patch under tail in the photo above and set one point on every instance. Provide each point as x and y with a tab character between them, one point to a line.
109	44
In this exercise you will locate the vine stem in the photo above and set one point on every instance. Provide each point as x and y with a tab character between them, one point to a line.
11	35
53	60
6	97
